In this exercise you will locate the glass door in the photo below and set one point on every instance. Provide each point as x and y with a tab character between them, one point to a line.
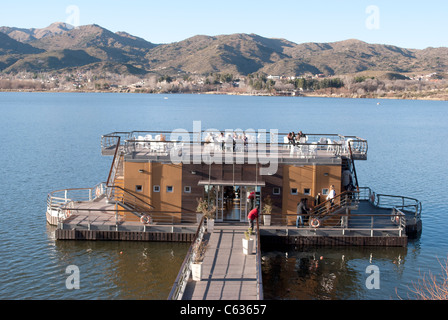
219	203
250	197
243	204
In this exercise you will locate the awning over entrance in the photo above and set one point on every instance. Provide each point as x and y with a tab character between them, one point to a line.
231	183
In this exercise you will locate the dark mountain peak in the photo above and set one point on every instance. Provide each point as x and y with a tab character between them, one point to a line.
11	46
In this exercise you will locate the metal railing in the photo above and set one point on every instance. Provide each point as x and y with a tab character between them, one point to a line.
340	201
130	201
398	210
116	162
61	198
181	281
164	143
112	140
386	201
260	295
338	217
342	223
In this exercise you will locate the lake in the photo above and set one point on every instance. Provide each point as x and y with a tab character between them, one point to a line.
51	141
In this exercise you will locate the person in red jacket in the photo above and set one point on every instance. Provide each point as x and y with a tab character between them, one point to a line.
253	214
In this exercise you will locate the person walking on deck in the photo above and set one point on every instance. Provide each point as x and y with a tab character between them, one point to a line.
302	212
253	214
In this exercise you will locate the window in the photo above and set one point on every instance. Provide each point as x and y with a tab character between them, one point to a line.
294	191
138	188
324	192
169	189
307	191
187	189
276	191
156	188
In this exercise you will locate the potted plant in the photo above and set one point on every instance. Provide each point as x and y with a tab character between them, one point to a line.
267	210
208	211
248	242
199	249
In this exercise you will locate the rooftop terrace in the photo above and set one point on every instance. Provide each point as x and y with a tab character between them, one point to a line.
233	147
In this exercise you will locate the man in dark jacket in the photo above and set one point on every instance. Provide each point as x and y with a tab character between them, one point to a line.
302	212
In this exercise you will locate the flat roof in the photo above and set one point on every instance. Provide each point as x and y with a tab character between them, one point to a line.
229	183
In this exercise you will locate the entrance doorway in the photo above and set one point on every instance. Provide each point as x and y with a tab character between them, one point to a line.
233	203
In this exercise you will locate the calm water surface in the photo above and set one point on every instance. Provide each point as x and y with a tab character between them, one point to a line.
52	141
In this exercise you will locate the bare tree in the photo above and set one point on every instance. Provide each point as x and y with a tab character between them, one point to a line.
431	287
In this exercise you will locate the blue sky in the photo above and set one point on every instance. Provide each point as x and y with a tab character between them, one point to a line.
411	25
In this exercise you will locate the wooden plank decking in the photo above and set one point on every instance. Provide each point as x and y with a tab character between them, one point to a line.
227	273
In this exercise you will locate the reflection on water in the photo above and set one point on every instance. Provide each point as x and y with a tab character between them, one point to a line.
126	270
307	273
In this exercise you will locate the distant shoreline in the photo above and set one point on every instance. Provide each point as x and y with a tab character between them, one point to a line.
397	96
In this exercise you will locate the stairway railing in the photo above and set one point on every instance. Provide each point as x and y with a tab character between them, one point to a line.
333	207
114	168
135	204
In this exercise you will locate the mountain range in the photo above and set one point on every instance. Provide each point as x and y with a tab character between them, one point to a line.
61	47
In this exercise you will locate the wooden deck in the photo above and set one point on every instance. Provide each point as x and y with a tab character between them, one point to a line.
96	220
227	273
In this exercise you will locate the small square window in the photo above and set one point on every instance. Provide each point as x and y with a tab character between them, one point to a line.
276	191
187	189
307	191
169	189
138	188
294	191
156	189
324	192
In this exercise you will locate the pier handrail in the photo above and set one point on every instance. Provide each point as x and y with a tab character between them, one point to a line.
359	222
387	201
260	295
60	198
180	283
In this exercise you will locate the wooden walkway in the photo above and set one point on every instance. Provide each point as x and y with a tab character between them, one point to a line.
227	274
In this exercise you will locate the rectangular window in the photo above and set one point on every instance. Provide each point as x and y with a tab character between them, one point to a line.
187	189
307	191
156	189
294	191
276	191
169	189
138	188
324	192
